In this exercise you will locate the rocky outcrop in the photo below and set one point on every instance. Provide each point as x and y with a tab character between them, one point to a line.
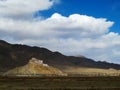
35	67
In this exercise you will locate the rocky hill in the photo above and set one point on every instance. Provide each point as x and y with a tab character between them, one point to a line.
35	67
15	55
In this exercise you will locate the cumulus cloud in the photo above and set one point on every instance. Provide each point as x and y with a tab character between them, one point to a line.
18	8
57	26
73	35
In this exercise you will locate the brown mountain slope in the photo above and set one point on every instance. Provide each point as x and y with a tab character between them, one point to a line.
14	55
35	67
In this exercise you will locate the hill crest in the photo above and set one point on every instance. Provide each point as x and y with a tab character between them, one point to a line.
17	55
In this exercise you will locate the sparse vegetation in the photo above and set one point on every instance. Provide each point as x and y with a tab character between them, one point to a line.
59	83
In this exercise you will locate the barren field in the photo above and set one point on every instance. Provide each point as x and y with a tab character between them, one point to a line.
59	83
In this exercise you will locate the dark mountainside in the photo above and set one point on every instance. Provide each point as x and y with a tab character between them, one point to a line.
14	55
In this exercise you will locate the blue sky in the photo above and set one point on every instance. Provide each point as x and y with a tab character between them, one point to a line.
109	9
81	27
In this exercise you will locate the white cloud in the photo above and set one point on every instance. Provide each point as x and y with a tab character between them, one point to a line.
13	8
73	35
84	25
75	26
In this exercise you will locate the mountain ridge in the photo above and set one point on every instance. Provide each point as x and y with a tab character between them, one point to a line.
15	55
